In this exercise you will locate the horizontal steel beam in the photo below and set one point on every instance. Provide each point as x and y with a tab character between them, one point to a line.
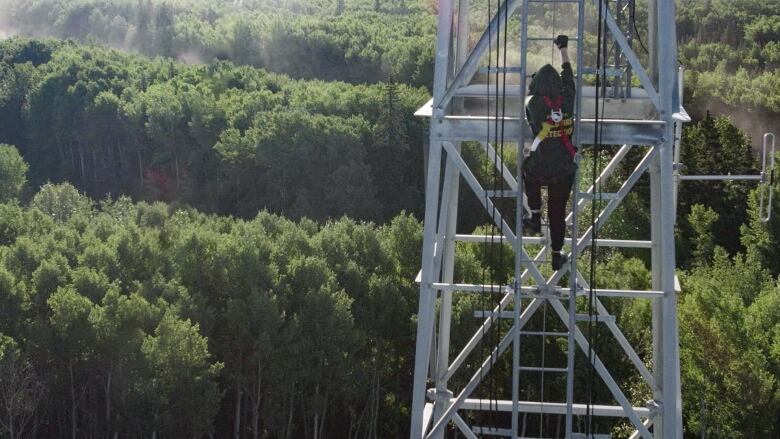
540	240
721	177
556	408
557	292
614	132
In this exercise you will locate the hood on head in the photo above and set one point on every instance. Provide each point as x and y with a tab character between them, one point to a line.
546	81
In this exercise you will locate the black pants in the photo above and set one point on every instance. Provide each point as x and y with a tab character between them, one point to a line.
557	196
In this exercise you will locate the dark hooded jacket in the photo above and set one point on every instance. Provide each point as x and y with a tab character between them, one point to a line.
551	160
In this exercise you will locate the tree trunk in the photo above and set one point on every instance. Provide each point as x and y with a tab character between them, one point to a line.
82	169
324	415
372	432
140	168
237	417
176	164
94	171
292	407
108	400
11	422
256	406
73	404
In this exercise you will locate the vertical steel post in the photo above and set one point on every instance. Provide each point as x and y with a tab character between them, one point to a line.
427	307
573	282
452	183
667	77
656	255
519	211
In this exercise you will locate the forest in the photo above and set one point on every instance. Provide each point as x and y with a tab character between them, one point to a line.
210	220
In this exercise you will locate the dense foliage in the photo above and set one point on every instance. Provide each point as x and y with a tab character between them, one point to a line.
355	42
136	318
218	137
731	52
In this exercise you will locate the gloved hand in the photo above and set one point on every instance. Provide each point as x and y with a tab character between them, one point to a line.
562	41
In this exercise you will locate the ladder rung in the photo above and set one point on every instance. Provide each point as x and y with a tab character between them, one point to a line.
482	91
547	39
594	318
544	369
501	70
609	71
502	194
599	196
553	1
502	314
492	431
590	436
545	333
477	288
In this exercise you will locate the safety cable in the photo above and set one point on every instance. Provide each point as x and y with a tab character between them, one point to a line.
632	9
489	336
601	61
498	153
486	259
501	138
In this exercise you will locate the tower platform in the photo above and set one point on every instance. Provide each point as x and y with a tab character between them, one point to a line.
625	121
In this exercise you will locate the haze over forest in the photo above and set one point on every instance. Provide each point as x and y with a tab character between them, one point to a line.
211	220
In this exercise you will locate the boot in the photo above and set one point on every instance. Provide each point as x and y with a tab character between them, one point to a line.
532	226
558	259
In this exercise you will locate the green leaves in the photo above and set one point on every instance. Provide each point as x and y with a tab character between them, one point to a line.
61	201
182	377
13	172
222	138
724	348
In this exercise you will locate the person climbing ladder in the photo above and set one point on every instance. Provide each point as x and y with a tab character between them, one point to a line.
549	161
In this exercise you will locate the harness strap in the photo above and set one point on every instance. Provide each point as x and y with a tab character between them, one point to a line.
549	124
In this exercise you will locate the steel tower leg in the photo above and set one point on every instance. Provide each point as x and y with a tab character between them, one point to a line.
671	405
427	308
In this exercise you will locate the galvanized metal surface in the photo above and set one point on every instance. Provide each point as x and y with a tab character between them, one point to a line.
450	125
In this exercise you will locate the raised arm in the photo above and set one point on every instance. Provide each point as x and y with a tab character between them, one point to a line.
567	75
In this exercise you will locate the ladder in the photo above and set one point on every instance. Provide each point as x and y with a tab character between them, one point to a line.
519	370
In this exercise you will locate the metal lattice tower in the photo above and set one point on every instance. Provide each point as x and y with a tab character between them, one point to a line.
646	118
